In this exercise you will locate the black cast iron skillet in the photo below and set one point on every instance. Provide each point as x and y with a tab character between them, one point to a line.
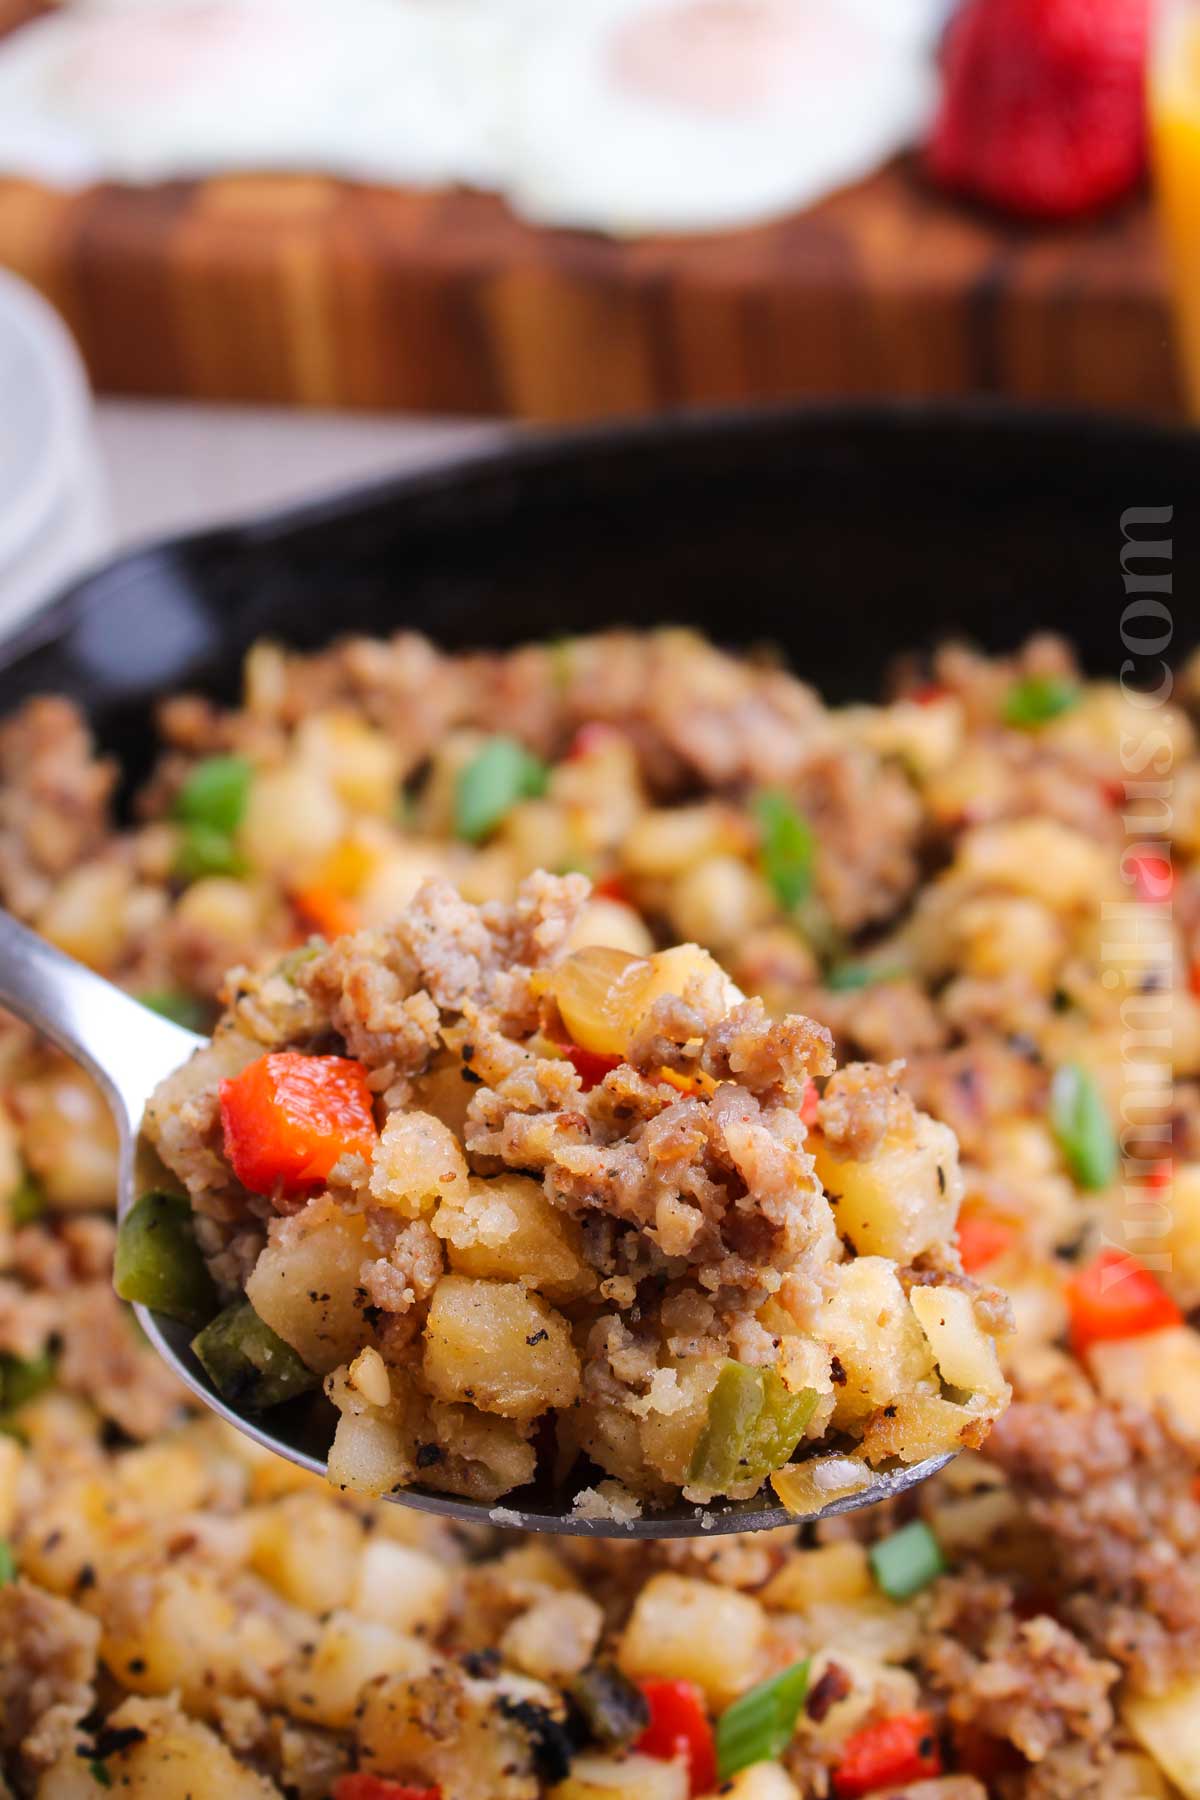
843	537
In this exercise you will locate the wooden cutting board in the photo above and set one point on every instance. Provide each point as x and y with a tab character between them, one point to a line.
306	290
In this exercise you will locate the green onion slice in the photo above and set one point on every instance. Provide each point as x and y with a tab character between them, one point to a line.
27	1202
8	1564
1080	1122
760	1725
1038	699
848	978
502	773
23	1378
204	851
215	794
907	1561
180	1008
787	849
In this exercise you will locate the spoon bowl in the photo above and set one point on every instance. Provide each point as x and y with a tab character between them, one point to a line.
129	1049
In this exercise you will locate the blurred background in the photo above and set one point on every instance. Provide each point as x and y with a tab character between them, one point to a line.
286	244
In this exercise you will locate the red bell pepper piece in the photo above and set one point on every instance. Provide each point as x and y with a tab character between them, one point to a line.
323	909
1115	1297
1153	877
982	1238
374	1787
929	693
900	1749
590	1066
287	1118
595	735
612	887
680	1731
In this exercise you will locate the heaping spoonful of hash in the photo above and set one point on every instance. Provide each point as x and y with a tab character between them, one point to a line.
511	1229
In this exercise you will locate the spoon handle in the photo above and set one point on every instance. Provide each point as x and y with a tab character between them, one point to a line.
125	1046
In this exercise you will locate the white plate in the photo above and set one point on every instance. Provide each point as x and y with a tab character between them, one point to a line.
50	509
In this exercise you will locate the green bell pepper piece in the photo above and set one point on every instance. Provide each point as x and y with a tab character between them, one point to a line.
248	1364
158	1262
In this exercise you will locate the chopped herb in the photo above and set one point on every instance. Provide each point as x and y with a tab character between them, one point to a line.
503	773
215	794
907	1561
1038	699
1080	1122
8	1564
99	1773
23	1378
760	1725
846	978
787	849
27	1201
180	1008
203	851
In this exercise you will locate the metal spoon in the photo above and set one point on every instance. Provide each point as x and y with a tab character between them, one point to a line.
129	1050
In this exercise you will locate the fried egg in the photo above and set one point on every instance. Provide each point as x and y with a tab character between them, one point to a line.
685	115
618	115
142	90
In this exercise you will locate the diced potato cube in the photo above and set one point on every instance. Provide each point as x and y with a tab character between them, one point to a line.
926	735
309	1549
666	842
719	902
165	1478
86	914
418	1161
830	1573
69	1139
357	759
1162	1368
555	1638
903	1199
629	1777
172	1758
397	875
612	923
292	818
867	1323
12	1461
349	1654
1039	857
917	1426
305	1284
187	1634
966	1357
402	1587
692	1630
499	1346
996	933
1168	1725
372	1451
487	1455
506	1229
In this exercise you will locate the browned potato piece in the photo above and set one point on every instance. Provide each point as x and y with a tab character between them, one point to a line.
498	1346
305	1284
506	1230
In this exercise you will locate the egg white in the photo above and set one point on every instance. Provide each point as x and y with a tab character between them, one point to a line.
594	147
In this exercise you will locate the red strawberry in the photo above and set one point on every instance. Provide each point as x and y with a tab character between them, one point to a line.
1044	103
